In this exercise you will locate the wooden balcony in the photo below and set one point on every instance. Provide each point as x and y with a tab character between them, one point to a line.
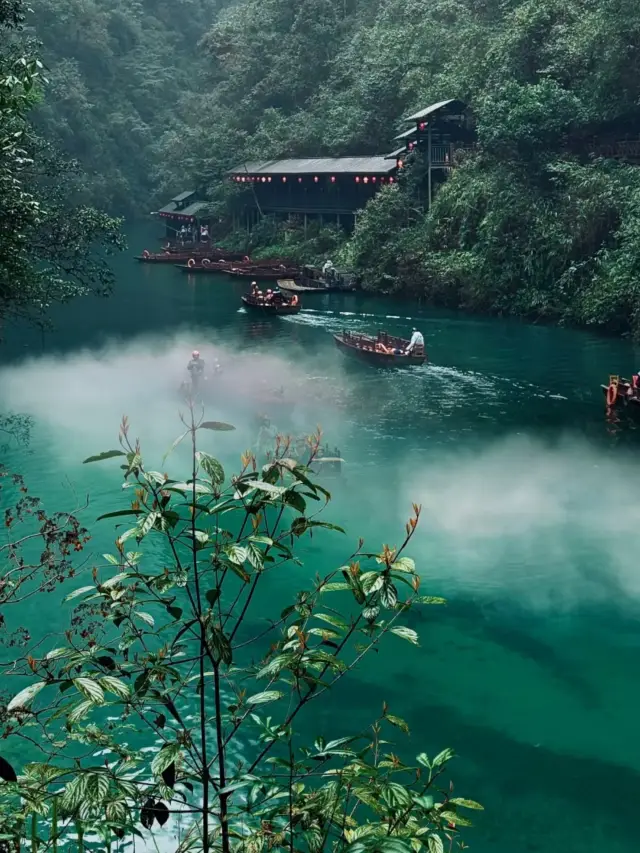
625	150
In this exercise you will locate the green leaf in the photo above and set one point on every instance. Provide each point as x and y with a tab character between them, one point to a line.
212	595
466	804
372	582
263	486
398	722
90	689
78	592
176	612
221	646
389	595
212	467
406	634
236	553
117	513
174	445
266	696
108	454
115	685
148	523
26	696
423	759
6	771
435	844
146	617
169	754
334	587
430	599
217	426
255	556
332	620
294	499
443	757
54	654
97	787
404	564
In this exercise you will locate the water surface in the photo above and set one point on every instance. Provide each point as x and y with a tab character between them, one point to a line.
531	513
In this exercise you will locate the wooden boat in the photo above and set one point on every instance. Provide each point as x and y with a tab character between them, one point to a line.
371	349
311	280
275	306
621	393
260	273
171	256
217	266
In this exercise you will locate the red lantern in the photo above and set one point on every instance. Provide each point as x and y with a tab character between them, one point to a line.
366	180
315	179
269	179
264	180
357	180
333	179
400	164
299	180
373	179
391	180
422	125
284	179
242	179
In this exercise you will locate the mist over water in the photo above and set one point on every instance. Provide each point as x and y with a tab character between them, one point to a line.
514	511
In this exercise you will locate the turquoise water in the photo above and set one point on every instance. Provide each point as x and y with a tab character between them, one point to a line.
531	513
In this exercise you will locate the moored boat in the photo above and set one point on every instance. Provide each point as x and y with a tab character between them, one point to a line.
262	273
383	350
311	280
276	306
172	256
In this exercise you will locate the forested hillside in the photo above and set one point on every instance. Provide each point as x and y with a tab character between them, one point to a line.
152	96
116	71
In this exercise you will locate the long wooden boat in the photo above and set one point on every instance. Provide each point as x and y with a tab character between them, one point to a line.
174	257
266	273
383	350
274	307
289	285
201	267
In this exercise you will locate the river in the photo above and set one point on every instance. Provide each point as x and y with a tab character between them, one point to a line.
531	514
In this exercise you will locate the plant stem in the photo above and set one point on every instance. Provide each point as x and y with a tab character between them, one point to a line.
224	816
203	648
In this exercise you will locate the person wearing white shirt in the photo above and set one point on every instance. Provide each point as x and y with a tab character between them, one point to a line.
417	340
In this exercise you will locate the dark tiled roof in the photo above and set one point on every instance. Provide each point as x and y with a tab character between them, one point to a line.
427	111
183	196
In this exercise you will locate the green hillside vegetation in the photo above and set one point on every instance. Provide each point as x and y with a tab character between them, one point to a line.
530	225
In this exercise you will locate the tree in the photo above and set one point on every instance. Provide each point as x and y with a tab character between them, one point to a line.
192	688
49	251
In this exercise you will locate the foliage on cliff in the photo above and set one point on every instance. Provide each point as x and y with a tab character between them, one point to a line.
51	249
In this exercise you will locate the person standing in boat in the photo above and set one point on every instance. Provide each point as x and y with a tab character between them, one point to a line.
416	343
196	366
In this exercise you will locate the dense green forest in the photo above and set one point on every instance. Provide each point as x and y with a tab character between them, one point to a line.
153	97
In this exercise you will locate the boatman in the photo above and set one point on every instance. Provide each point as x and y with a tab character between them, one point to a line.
196	366
416	341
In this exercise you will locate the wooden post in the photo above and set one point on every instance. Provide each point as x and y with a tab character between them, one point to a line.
305	225
429	164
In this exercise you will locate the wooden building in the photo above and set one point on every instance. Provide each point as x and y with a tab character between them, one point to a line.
188	208
436	133
328	189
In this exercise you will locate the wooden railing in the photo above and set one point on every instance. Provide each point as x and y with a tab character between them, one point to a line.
627	150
